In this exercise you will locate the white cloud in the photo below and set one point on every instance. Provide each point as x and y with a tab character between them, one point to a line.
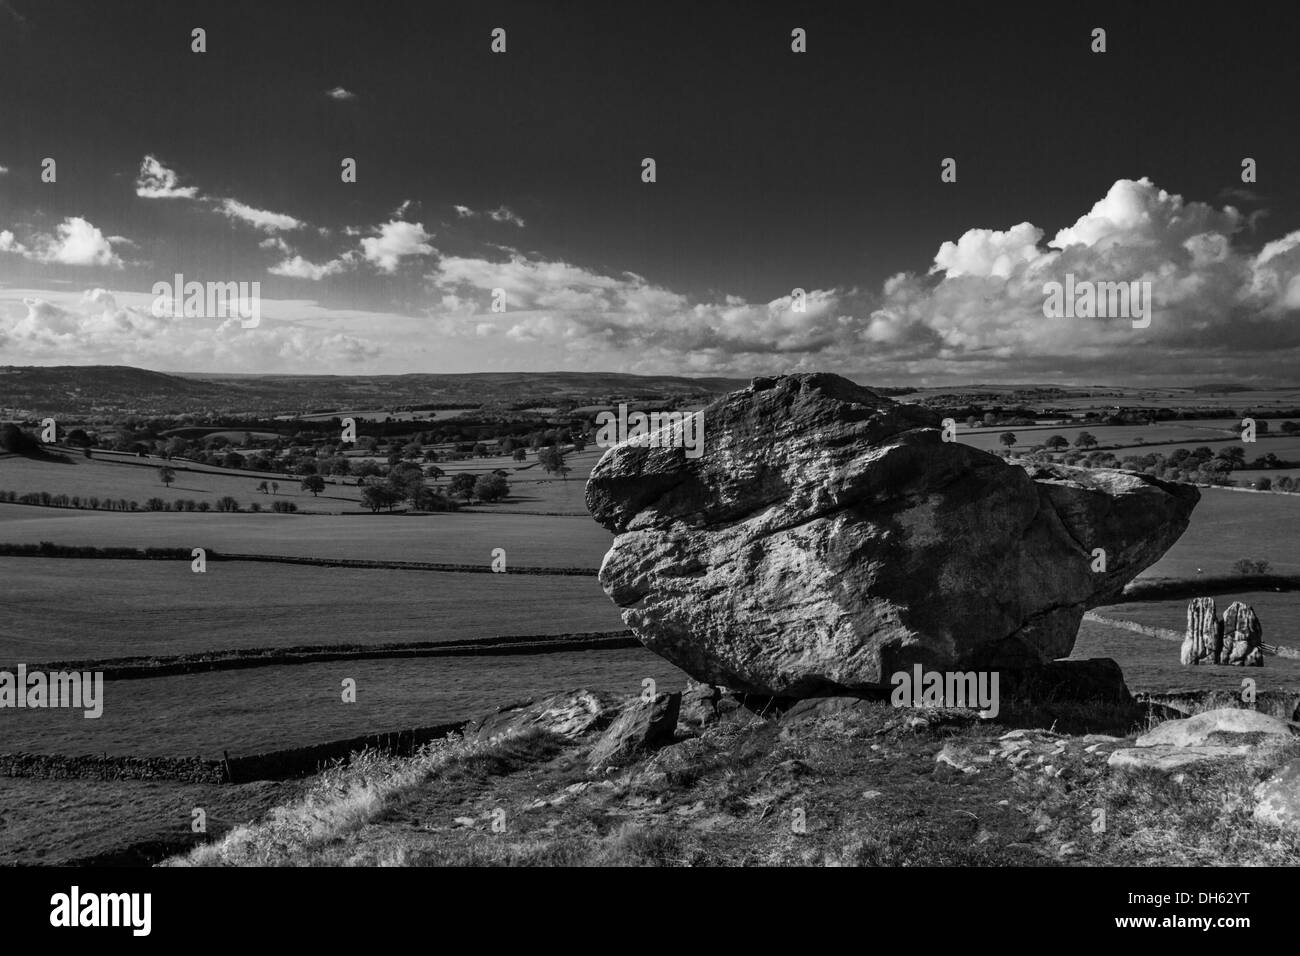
99	326
4	170
396	240
9	244
259	218
339	93
76	242
464	212
156	181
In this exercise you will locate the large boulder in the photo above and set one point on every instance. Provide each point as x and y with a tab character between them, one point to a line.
828	537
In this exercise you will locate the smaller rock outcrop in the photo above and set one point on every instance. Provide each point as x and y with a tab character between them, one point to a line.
1212	735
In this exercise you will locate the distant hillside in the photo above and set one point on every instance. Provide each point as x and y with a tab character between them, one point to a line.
113	389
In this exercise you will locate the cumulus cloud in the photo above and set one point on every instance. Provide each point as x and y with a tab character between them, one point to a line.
156	181
75	242
339	93
98	327
974	313
464	212
396	240
4	170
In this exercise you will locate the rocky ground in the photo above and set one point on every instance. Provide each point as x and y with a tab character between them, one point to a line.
701	778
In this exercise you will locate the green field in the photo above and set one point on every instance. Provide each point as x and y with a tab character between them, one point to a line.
1229	525
65	609
447	538
274	708
136	479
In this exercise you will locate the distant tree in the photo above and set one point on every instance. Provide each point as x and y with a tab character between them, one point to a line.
1264	484
551	460
379	496
261	486
480	450
227	503
232	459
1008	439
275	487
491	488
1057	443
166	475
463	485
1085	440
521	454
1290	428
990	419
313	483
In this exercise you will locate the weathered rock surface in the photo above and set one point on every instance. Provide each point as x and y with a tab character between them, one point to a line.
1279	797
643	725
1167	757
1204	633
1243	636
828	537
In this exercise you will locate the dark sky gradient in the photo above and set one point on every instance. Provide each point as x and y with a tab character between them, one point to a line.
775	170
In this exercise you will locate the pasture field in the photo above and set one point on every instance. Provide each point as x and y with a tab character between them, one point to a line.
66	608
443	538
275	708
1151	665
1132	437
1229	525
134	480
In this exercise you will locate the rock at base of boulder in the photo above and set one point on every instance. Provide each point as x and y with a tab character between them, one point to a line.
699	705
643	725
570	714
1090	679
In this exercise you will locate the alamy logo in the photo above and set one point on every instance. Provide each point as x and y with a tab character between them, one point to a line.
209	300
75	908
1086	299
952	689
58	689
653	429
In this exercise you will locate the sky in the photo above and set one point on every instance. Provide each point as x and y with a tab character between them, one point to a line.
522	171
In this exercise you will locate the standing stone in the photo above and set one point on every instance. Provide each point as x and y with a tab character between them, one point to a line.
1204	639
1243	637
